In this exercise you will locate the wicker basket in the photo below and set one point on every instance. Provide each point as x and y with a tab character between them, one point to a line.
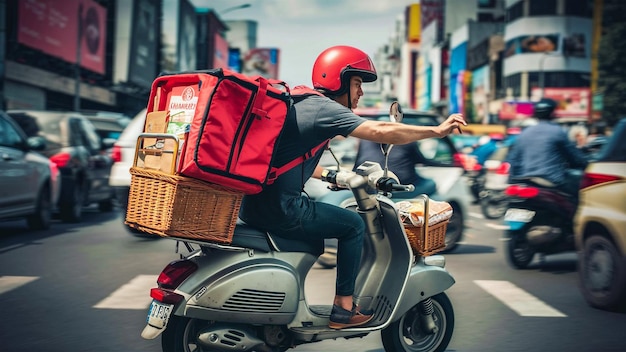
183	207
430	242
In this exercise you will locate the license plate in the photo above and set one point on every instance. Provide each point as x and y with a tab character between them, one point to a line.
159	314
519	215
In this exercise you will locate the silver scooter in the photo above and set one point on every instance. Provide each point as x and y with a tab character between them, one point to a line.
249	295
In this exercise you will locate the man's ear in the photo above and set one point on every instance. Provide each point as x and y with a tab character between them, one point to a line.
341	99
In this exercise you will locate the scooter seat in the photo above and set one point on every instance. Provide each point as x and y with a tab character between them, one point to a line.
247	236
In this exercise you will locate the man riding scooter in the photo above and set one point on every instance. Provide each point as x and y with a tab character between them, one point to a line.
338	73
543	191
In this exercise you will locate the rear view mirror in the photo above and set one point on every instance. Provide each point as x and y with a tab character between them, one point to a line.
395	112
395	115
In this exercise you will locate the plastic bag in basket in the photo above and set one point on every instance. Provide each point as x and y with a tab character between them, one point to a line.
412	211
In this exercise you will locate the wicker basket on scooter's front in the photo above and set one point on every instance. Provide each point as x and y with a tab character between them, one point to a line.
431	241
427	235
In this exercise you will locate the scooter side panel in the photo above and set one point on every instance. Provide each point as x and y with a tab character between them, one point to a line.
424	281
250	289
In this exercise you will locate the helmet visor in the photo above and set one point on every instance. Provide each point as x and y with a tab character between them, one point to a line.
364	68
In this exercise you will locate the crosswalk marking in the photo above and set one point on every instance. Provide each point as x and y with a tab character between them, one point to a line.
476	215
8	283
497	226
132	295
517	299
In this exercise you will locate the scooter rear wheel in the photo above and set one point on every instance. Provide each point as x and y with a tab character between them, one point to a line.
407	335
179	336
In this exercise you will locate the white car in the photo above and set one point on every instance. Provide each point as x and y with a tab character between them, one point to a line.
123	156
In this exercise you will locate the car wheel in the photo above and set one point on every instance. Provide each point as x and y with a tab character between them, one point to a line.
72	209
42	217
602	272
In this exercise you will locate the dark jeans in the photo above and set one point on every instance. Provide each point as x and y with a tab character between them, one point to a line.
323	221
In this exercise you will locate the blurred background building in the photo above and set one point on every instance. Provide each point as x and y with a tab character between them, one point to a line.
488	59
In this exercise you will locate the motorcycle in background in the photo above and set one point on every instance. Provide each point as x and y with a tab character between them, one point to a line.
540	220
493	201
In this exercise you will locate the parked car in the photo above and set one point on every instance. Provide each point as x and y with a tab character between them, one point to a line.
600	225
123	156
74	146
109	125
442	163
30	182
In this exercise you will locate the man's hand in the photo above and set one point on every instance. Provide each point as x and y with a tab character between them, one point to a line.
454	121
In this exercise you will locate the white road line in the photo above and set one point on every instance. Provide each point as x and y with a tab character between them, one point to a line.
8	283
133	295
517	299
497	226
476	215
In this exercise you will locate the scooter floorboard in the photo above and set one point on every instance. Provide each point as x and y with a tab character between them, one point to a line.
319	333
324	310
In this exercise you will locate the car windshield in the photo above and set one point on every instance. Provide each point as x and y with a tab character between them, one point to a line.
44	125
615	147
435	150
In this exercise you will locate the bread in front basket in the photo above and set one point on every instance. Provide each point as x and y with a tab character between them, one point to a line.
412	211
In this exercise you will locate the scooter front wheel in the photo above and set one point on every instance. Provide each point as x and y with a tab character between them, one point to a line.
408	334
493	205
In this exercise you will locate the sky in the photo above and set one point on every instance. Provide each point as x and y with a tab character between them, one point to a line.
304	28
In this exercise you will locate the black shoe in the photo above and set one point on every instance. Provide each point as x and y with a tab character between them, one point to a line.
342	318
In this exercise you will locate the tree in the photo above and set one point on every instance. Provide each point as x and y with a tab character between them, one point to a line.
612	61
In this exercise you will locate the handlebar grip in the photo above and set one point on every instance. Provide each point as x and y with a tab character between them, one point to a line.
403	188
329	176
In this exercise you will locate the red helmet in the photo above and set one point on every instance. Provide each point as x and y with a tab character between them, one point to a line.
335	65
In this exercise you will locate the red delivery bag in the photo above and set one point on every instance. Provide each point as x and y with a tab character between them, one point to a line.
236	124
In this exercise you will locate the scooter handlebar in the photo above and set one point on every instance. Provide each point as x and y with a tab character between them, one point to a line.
345	179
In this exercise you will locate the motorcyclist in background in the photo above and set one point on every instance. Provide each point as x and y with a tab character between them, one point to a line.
545	151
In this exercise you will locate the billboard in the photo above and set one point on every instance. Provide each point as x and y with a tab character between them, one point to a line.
480	95
414	23
261	62
573	102
234	59
574	45
53	27
187	37
457	86
221	58
142	62
433	10
512	110
532	44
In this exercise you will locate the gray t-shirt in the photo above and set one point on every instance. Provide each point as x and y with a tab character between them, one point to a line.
314	120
